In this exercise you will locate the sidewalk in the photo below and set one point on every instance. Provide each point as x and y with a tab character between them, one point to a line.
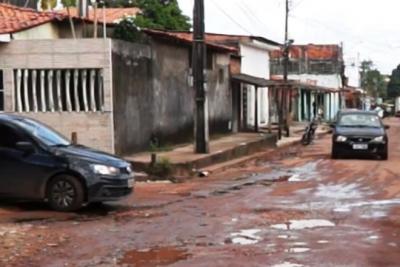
184	161
231	148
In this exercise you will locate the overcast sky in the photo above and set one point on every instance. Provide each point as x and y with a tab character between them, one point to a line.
369	29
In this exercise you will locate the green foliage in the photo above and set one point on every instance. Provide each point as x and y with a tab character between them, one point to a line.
162	15
120	3
126	30
48	4
394	83
68	3
372	80
161	169
159	148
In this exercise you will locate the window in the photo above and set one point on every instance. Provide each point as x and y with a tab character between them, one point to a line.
1	91
9	138
43	133
59	90
360	120
322	67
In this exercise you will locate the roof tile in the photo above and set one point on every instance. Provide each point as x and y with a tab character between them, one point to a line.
311	51
15	19
113	15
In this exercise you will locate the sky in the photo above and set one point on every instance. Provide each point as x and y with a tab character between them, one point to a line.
368	29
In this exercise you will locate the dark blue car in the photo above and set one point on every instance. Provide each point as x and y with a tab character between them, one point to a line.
359	133
37	163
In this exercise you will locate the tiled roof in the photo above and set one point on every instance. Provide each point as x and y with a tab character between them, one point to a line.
232	38
187	38
15	19
312	51
113	15
225	39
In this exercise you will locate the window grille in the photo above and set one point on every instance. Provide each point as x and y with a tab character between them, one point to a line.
59	90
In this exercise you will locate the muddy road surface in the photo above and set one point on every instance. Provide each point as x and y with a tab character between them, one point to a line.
289	207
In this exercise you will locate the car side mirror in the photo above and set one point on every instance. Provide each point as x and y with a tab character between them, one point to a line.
387	127
26	147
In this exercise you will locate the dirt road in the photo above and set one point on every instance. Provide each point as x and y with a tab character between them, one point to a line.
294	207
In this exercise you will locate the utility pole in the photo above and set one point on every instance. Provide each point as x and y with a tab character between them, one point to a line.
199	79
284	90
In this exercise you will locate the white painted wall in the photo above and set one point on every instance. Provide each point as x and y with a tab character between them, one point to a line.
45	31
328	80
255	62
332	81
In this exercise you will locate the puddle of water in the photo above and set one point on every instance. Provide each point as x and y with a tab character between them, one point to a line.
288	264
154	257
303	224
305	172
373	204
342	210
372	214
299	174
297	250
322	241
295	178
373	237
339	191
246	237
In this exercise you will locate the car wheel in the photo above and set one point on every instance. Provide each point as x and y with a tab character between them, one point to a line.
65	193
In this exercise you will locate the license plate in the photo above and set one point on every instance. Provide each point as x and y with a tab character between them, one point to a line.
131	183
360	146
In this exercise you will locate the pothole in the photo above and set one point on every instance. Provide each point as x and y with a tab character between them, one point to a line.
303	224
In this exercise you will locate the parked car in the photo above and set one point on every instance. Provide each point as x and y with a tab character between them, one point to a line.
359	133
37	163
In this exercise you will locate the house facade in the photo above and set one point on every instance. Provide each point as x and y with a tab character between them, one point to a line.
252	59
113	95
318	65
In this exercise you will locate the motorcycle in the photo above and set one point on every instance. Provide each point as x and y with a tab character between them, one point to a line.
309	132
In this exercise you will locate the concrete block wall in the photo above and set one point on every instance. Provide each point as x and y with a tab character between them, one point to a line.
94	129
153	95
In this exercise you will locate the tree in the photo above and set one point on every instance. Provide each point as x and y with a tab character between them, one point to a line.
126	30
162	15
394	83
372	80
68	4
48	4
120	3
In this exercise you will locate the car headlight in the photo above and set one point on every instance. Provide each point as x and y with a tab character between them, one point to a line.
341	138
379	139
105	170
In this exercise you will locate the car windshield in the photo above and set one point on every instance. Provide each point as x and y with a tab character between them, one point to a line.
43	133
359	120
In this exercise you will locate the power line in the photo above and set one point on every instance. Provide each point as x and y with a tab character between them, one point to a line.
252	14
298	4
340	31
249	16
230	17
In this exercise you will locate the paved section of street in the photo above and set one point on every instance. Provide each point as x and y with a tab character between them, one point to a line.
291	207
